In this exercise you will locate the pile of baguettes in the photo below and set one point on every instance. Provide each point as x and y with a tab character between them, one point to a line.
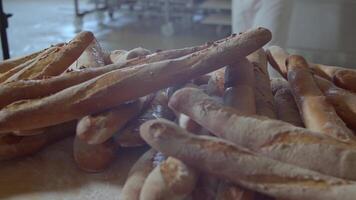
237	133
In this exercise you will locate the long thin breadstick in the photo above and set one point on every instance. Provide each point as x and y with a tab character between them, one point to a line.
9	64
67	55
273	138
96	129
342	77
115	87
239	94
318	114
39	61
346	79
12	146
30	89
263	92
137	175
343	101
226	160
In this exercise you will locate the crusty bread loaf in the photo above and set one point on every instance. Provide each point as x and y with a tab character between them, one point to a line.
346	79
226	160
36	63
343	101
317	113
342	77
94	158
39	63
137	176
273	138
263	93
171	179
240	95
97	128
9	64
66	55
112	88
12	146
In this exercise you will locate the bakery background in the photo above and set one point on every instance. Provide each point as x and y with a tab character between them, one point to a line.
321	30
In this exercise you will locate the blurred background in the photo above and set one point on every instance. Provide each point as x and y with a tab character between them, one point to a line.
322	30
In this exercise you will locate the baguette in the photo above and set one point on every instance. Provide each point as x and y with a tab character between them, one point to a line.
238	165
172	179
137	176
101	93
67	55
346	79
343	101
9	64
158	108
342	77
12	146
95	129
272	138
30	89
239	94
36	63
317	113
286	108
94	158
263	92
41	62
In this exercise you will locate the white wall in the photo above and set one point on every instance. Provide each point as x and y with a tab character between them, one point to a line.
324	31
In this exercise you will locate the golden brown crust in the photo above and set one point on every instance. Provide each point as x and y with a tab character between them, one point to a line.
273	138
102	92
12	146
95	129
32	69
9	64
137	175
346	79
225	160
172	179
67	55
317	113
343	101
